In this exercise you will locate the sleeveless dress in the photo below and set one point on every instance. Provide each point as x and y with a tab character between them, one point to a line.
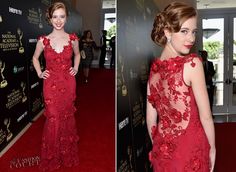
179	141
59	140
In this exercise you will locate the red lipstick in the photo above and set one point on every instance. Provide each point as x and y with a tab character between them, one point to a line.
188	46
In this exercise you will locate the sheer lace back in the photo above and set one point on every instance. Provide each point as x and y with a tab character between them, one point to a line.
170	95
179	141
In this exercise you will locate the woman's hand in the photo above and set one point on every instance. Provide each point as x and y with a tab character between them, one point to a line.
44	74
212	159
73	71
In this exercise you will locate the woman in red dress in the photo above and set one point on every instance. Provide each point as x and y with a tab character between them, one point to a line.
59	141
179	118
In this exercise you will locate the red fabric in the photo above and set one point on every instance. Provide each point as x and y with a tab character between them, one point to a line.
179	141
59	141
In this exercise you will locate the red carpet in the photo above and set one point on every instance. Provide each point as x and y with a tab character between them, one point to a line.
96	127
225	147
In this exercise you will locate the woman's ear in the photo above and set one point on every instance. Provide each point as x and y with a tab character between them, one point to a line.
167	34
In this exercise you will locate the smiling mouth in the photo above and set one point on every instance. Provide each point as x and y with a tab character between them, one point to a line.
188	46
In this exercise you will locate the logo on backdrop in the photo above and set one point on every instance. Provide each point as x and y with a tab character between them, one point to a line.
142	109
124	90
17	69
24	97
22	116
130	156
46	2
34	85
144	73
137	114
37	104
40	18
20	34
123	123
3	135
15	11
133	74
13	98
32	40
3	80
9	42
35	17
7	122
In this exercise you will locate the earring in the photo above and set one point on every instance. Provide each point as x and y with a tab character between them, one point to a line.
168	40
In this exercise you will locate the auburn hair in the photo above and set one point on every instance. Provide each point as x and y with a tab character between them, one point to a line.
171	18
52	8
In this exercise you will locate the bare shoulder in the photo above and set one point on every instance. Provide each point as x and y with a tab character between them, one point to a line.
40	40
73	37
193	69
193	63
43	41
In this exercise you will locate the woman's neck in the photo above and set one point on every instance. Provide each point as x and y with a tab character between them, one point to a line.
168	52
58	33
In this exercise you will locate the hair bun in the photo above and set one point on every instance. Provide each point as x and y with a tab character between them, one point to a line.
171	18
159	25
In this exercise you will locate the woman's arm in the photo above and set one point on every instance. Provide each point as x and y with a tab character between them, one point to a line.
195	77
74	69
35	60
151	115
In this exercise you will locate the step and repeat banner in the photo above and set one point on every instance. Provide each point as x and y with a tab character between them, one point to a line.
135	52
21	99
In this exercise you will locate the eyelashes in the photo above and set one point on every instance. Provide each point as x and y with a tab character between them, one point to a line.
185	31
61	17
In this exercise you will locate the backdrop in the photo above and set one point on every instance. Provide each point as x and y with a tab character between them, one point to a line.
135	53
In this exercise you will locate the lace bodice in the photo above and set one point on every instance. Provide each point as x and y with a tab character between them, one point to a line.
170	95
58	61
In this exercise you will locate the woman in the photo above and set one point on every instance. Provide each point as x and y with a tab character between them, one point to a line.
184	138
59	141
87	44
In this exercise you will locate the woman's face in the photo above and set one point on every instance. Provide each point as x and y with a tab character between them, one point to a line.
58	19
183	40
88	35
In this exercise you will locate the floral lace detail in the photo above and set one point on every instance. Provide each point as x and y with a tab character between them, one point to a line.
59	141
167	93
73	37
196	163
68	47
164	148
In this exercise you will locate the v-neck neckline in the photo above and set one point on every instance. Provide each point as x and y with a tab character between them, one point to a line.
64	46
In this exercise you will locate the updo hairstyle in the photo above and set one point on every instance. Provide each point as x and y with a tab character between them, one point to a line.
52	8
171	18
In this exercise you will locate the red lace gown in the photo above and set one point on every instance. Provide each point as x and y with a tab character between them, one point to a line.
179	141
59	141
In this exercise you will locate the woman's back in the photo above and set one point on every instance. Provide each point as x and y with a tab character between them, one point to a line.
174	144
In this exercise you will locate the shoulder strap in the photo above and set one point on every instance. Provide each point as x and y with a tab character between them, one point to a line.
73	37
44	39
